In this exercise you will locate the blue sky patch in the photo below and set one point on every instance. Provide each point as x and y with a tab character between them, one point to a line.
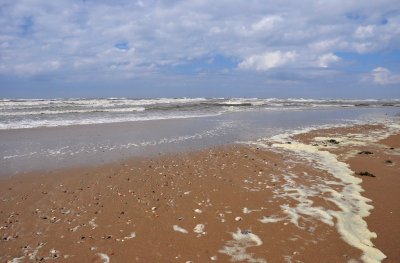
27	25
368	61
122	45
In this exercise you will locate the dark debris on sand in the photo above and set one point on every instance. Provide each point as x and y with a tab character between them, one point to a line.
365	152
333	141
366	174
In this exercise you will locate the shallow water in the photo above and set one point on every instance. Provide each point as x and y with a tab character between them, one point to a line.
23	150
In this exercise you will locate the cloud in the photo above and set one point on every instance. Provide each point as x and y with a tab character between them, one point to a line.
383	76
130	38
266	23
365	31
267	60
326	59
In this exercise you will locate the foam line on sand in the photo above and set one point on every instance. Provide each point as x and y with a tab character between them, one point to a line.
353	207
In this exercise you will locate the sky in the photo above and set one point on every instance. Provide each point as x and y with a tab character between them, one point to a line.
200	48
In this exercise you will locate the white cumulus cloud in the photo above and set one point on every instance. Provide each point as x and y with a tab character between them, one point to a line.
327	59
266	23
365	31
383	76
267	60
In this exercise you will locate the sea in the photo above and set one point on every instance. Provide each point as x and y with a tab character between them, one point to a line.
33	113
40	134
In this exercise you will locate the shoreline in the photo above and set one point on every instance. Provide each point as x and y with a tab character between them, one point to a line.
222	203
53	148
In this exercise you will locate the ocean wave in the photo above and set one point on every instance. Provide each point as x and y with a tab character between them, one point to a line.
28	113
54	112
116	102
95	102
31	123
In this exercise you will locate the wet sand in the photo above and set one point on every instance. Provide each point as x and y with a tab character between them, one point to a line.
261	202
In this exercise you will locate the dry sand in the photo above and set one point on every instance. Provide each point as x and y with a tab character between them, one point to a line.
265	202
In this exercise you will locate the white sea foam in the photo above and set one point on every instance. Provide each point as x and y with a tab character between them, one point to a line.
270	219
199	229
353	207
104	257
53	112
245	210
92	223
179	229
32	255
95	102
30	123
236	248
16	260
131	235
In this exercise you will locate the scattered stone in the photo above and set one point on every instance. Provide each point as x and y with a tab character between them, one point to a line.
238	218
389	161
366	174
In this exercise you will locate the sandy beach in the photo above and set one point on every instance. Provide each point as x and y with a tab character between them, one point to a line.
200	131
328	195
